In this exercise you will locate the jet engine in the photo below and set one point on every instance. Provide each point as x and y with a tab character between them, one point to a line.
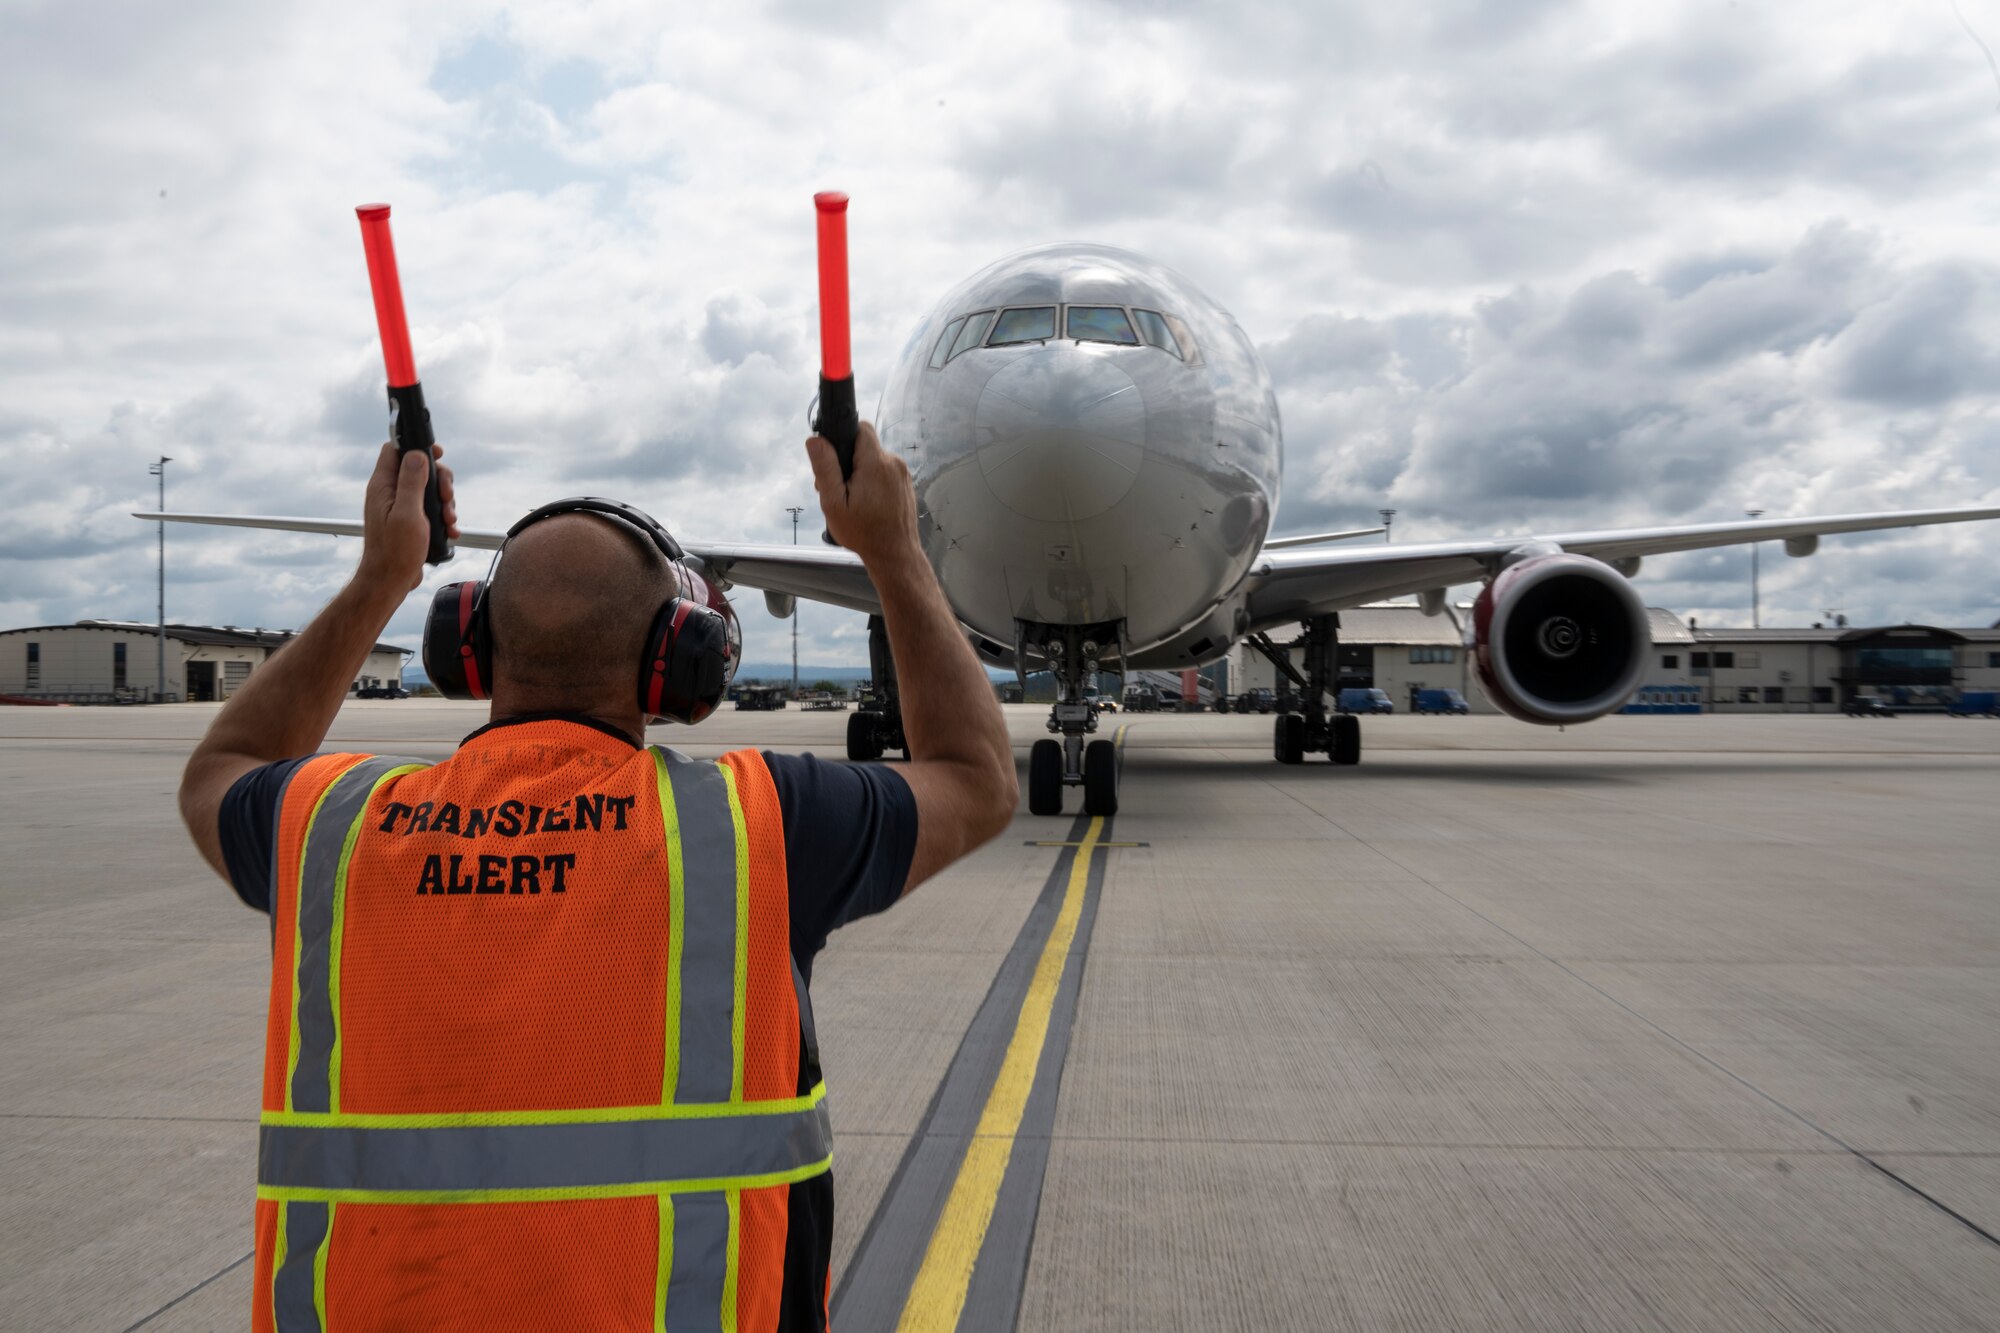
1559	638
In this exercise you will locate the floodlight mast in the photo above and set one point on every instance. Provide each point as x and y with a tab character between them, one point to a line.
159	470
795	511
1756	621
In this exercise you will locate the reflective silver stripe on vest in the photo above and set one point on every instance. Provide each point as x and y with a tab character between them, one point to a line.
708	930
293	1288
578	1155
695	1287
326	840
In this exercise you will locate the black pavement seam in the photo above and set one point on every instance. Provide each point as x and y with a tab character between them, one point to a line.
876	1284
190	1291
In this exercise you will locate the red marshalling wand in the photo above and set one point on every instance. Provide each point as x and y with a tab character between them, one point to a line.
837	422
409	419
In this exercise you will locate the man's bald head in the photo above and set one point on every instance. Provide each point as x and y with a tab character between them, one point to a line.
569	610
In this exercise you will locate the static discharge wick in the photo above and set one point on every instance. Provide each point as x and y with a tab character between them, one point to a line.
393	324
836	362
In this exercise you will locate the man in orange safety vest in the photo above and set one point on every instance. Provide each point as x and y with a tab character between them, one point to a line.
540	1050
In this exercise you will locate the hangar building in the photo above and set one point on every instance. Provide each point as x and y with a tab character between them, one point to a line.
1394	647
107	661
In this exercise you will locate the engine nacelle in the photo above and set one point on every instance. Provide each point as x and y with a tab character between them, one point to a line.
1559	639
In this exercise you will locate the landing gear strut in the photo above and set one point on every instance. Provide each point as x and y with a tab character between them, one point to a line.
879	725
1295	735
1073	760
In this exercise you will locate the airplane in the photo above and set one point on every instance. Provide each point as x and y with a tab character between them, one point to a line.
1096	451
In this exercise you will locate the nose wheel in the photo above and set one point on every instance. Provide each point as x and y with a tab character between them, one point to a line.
1070	758
1048	775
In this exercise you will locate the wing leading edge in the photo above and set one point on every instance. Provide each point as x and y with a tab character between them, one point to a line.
818	573
1289	583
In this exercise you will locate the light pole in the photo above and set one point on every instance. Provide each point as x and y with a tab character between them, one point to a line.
1755	621
1388	519
795	511
159	470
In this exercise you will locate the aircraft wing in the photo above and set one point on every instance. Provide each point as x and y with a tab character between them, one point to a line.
1288	583
818	572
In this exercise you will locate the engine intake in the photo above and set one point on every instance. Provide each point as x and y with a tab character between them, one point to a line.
1560	639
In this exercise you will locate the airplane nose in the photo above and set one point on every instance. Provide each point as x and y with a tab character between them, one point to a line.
1061	432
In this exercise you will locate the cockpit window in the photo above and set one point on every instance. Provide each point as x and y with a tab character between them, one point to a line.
973	333
1025	325
1153	328
1101	324
942	352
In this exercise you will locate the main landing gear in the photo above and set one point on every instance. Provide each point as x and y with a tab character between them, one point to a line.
1294	735
878	727
1074	760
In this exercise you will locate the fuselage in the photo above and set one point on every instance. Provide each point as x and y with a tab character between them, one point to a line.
1093	440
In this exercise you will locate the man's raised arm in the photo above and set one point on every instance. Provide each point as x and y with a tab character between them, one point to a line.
286	707
961	768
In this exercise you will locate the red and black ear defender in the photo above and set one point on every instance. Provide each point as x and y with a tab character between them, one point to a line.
683	670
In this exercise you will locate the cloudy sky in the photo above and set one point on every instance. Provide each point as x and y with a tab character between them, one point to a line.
1513	263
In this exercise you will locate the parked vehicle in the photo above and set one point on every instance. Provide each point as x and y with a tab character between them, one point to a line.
380	692
760	698
1867	705
1142	699
826	701
1976	703
1257	701
1439	701
1355	700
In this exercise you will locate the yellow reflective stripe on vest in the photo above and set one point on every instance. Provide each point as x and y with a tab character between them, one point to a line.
708	970
313	1082
707	962
670	1027
739	997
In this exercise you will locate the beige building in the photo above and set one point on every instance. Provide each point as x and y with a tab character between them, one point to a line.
104	661
1394	647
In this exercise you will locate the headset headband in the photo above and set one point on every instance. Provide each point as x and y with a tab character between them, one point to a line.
638	519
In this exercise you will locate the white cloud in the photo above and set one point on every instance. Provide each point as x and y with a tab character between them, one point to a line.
1557	264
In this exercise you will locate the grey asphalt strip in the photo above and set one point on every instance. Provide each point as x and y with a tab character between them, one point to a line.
993	1300
876	1285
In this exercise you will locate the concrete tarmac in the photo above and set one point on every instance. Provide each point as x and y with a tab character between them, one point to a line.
1679	1022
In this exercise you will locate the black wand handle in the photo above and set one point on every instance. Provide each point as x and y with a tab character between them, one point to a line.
410	428
838	423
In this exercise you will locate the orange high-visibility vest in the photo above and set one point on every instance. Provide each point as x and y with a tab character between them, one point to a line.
535	1037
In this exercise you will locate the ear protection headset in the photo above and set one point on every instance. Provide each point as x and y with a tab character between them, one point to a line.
682	671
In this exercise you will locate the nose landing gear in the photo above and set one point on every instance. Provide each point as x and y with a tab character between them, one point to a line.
1073	760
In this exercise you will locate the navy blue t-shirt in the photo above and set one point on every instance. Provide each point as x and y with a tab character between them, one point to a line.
850	831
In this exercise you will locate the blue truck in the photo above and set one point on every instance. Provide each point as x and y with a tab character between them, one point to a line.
1439	701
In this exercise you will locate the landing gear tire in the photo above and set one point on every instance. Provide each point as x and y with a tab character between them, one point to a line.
1346	746
1100	778
1288	738
1045	778
863	740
